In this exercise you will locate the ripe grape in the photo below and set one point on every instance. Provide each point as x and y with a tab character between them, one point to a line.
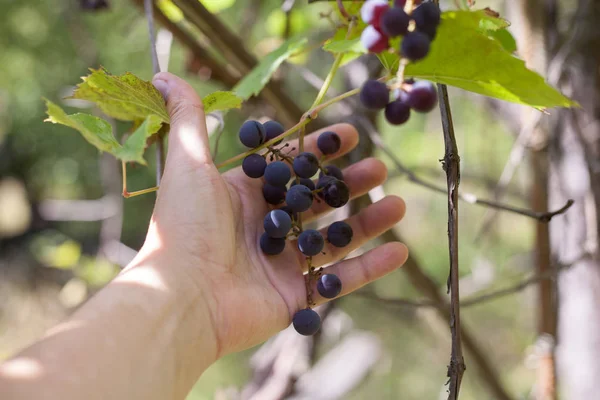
322	182
427	17
372	10
335	193
339	234
373	40
329	286
329	142
397	112
277	223
332	170
273	194
422	97
299	198
306	322
252	134
306	182
310	242
374	94
272	130
277	173
415	46
254	165
394	22
271	246
306	165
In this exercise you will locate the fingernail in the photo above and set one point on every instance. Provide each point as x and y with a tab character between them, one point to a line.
162	87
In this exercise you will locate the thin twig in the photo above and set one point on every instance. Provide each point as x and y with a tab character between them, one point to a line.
160	145
451	165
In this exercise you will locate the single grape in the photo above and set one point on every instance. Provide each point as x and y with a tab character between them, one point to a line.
374	94
329	142
310	242
306	165
373	40
299	198
394	22
372	11
332	170
397	112
254	165
329	286
415	46
335	193
252	134
339	234
271	246
272	130
306	182
427	17
273	194
277	223
422	96
306	322
323	182
278	173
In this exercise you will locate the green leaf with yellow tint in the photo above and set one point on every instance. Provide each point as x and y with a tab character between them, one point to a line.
219	101
133	149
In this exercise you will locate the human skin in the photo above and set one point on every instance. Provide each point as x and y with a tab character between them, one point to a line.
200	287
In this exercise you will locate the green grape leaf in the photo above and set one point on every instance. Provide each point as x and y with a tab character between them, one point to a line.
219	101
506	39
125	97
256	80
133	149
463	55
345	45
390	61
95	130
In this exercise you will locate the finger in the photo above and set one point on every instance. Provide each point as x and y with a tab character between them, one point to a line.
360	178
366	268
369	223
348	137
188	137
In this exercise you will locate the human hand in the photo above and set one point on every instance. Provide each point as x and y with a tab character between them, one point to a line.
206	227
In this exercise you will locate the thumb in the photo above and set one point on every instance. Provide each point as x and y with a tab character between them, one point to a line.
188	137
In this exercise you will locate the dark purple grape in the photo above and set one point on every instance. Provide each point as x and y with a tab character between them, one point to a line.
252	134
306	322
339	234
332	170
271	246
329	286
374	94
277	223
335	193
394	22
329	142
373	40
397	112
254	165
422	97
415	46
299	198
402	3
310	242
427	17
273	129
278	173
306	165
273	194
306	182
323	182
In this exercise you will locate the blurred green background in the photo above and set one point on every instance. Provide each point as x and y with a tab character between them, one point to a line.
48	267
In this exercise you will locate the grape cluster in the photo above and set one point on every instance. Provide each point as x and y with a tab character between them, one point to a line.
292	198
418	28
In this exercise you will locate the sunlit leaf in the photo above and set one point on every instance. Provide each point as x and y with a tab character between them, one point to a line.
216	6
256	80
133	149
125	97
219	101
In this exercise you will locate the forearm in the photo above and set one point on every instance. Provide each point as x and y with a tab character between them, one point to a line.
146	335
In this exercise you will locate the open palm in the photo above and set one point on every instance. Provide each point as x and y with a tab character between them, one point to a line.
210	223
